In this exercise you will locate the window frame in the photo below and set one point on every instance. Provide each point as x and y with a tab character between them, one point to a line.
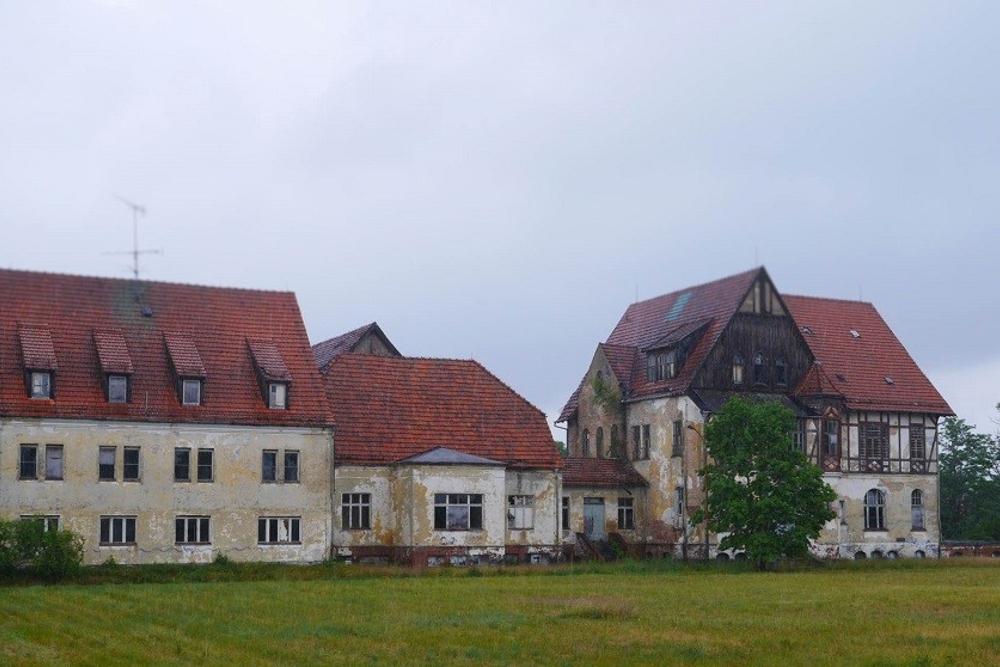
677	439
201	466
118	394
626	513
564	512
738	371
279	530
192	400
294	478
520	512
780	372
759	369
126	524
24	461
449	508
646	440
277	395
917	510
874	509
585	443
356	511
135	474
40	384
107	472
198	525
50	522
271	478
186	451
50	475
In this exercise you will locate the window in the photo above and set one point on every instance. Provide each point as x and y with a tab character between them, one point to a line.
117	389
645	441
679	505
106	464
130	464
586	442
41	384
678	439
799	436
520	512
291	466
192	530
737	370
28	462
53	462
269	466
831	437
636	442
191	392
874	445
117	530
918	448
278	530
842	512
780	372
565	512
356	511
600	442
277	395
662	366
182	464
759	369
49	522
651	368
458	511
614	452
874	510
626	514
205	459
917	509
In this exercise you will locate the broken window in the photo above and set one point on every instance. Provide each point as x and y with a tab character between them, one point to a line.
918	448
626	514
278	530
645	441
277	395
192	530
917	509
565	512
458	511
356	511
269	466
106	464
874	445
636	443
875	510
678	439
520	512
117	530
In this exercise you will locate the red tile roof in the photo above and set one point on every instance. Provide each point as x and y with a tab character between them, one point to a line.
861	357
390	408
37	351
600	473
100	325
268	360
332	348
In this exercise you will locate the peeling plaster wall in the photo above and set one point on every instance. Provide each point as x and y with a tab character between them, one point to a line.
234	500
546	487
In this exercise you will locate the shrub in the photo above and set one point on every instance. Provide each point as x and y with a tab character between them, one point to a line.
27	546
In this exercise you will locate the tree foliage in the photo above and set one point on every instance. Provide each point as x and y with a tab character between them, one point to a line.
763	494
969	467
26	546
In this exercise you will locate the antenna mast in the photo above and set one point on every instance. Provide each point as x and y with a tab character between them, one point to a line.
137	210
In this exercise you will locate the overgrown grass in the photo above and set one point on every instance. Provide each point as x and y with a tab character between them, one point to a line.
869	613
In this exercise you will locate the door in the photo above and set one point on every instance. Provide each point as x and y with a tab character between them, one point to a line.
593	518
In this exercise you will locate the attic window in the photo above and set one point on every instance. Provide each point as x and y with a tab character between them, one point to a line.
41	384
277	395
272	373
39	357
187	366
116	364
889	380
191	391
807	330
841	377
855	333
662	366
117	389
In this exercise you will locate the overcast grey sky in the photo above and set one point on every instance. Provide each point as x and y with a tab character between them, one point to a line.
500	180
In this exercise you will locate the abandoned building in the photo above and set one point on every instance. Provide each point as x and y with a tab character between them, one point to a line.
163	422
438	462
867	416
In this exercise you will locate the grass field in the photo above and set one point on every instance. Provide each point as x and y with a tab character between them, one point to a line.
873	613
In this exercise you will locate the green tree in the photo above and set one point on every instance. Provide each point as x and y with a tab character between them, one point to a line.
969	468
763	493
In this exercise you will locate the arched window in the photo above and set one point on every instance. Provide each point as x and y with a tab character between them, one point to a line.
917	509
759	372
586	443
780	372
874	510
600	442
737	370
614	441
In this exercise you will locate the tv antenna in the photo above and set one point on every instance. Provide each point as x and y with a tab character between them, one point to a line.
137	210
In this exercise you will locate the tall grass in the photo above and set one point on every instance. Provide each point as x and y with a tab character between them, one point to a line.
890	613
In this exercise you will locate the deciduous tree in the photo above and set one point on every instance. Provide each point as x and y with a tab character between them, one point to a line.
763	494
970	482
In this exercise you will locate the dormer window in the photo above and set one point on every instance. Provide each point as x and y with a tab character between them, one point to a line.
117	389
190	391
277	395
737	370
662	366
41	384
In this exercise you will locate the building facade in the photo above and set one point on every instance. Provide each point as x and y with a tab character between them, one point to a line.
867	415
163	422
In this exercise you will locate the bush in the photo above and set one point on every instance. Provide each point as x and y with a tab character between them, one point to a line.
27	546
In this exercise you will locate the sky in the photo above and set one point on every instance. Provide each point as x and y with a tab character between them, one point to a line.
499	181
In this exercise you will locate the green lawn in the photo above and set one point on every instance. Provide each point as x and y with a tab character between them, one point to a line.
914	613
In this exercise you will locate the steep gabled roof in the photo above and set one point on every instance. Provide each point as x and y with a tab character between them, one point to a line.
600	473
391	408
622	359
861	358
332	348
95	326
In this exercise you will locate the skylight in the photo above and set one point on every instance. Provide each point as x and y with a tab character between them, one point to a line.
678	306
855	333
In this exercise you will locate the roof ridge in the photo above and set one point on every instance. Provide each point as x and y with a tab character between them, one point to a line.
80	276
828	298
